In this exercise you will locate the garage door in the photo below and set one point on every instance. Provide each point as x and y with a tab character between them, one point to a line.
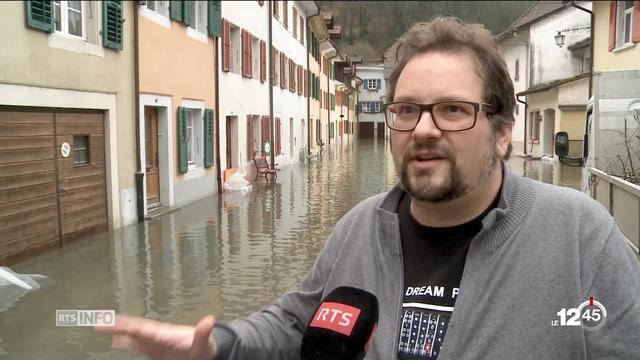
45	197
365	130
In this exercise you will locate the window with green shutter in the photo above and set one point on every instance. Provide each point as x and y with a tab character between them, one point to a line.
187	12
112	24
214	19
39	14
182	140
175	10
208	138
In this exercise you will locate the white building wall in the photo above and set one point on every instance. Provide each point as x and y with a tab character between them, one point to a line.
514	49
241	96
548	61
286	104
366	72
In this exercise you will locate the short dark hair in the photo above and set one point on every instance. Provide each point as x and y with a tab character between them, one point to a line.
450	34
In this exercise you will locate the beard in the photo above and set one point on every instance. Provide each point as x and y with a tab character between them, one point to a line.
422	186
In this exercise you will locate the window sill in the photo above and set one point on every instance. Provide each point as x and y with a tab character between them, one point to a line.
194	172
623	47
154	16
80	46
195	34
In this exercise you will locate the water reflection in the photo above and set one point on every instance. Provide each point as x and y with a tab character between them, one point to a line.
228	255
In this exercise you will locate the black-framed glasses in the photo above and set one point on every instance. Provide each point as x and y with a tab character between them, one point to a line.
446	115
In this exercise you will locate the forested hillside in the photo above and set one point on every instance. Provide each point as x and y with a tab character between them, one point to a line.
370	27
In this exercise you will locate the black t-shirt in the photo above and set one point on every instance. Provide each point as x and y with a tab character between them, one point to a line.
433	262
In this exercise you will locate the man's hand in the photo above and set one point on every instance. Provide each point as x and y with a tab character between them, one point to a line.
162	340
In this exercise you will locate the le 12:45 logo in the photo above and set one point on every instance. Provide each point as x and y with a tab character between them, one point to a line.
591	315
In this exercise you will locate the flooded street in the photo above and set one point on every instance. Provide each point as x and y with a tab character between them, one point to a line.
226	255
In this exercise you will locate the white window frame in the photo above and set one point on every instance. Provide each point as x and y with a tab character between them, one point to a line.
365	107
371	87
377	106
255	57
64	20
621	19
197	22
156	2
195	113
155	16
534	125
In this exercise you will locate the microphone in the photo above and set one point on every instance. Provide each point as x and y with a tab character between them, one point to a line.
342	327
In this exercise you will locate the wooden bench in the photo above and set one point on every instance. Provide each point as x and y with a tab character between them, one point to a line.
262	168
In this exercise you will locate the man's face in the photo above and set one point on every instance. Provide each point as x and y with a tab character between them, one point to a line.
434	165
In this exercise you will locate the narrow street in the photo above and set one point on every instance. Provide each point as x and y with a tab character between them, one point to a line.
226	255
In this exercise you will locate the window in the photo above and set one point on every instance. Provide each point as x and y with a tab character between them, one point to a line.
80	149
235	49
285	14
623	22
194	137
534	125
377	106
199	16
371	84
301	30
69	17
295	23
365	107
516	77
159	6
275	9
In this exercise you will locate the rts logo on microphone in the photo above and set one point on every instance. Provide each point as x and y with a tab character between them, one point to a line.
336	317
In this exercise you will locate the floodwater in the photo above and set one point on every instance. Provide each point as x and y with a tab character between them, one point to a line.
226	255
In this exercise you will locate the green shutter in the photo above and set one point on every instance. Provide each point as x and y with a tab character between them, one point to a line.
213	19
182	140
186	12
175	10
112	24
39	14
208	138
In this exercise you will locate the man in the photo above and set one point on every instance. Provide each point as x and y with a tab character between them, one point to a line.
529	251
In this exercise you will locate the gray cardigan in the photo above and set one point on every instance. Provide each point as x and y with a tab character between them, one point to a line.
542	249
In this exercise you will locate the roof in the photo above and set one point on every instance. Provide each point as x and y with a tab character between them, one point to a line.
550	85
538	11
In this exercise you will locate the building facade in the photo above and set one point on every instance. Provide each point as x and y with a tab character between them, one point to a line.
66	129
557	75
371	100
177	100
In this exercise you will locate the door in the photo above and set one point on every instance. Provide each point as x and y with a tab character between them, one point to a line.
229	142
292	140
152	157
81	175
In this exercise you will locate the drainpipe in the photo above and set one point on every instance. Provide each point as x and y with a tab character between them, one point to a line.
308	28
216	41
592	30
136	84
271	128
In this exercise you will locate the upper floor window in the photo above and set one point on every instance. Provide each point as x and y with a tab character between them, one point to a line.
372	84
159	6
199	16
624	18
69	18
516	76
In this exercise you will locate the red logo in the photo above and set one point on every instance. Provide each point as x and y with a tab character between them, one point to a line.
336	317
